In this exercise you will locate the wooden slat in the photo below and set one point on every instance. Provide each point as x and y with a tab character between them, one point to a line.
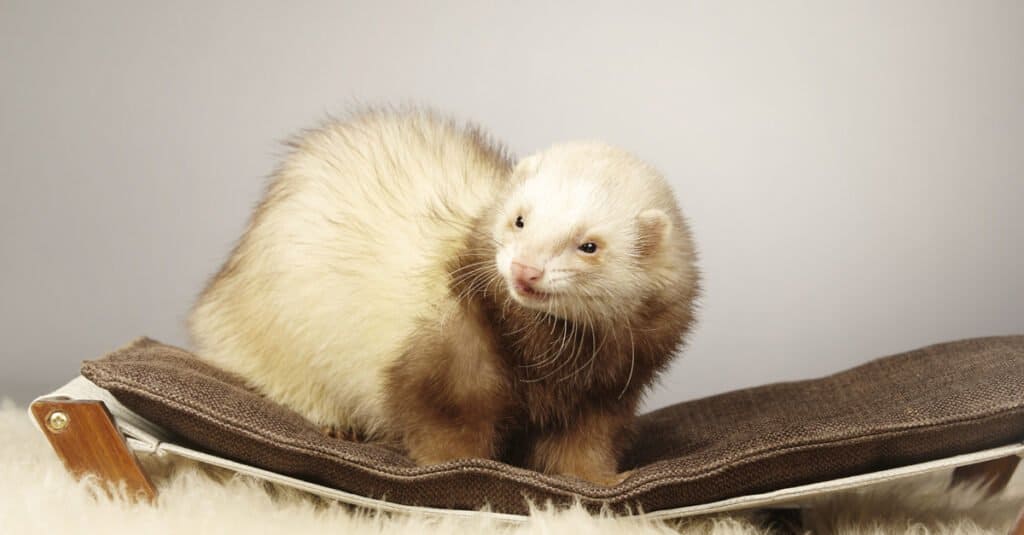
84	436
991	475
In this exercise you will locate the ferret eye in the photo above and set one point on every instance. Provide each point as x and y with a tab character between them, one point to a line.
519	222
589	247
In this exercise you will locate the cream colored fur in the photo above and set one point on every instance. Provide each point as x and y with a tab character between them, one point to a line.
342	259
38	497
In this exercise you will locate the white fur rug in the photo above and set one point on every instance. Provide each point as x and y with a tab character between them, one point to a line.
37	496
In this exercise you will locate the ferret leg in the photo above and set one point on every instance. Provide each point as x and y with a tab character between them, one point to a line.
443	440
443	420
447	394
586	449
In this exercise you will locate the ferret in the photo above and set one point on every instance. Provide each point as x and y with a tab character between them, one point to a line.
404	280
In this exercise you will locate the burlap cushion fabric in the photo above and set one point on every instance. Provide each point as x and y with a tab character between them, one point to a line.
921	405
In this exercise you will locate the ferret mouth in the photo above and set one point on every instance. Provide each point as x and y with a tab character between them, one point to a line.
530	293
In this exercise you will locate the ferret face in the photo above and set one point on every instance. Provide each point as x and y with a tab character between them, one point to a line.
574	236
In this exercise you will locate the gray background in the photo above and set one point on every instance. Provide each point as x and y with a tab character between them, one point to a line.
854	171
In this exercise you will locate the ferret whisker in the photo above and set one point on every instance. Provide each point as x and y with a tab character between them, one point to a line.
471	270
481	284
565	361
584	326
471	274
563	278
555	370
487	263
467	292
590	370
554	350
469	265
587	323
551	354
470	283
632	359
589	364
527	325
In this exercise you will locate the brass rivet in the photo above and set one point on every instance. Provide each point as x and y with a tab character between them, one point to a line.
57	421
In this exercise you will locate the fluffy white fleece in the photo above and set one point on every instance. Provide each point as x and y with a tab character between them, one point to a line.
38	496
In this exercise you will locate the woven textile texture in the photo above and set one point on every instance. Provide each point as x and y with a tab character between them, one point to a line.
926	404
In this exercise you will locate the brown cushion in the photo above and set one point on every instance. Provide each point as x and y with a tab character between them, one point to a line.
922	405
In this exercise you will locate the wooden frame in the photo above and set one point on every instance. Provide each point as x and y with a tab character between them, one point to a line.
86	439
993	476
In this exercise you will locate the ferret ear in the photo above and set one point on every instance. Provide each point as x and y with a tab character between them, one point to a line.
526	168
653	229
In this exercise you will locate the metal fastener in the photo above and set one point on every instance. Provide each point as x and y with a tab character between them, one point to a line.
57	421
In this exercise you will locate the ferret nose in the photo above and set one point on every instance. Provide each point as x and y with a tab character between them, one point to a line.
526	273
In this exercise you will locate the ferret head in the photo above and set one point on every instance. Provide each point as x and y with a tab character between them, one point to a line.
588	232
